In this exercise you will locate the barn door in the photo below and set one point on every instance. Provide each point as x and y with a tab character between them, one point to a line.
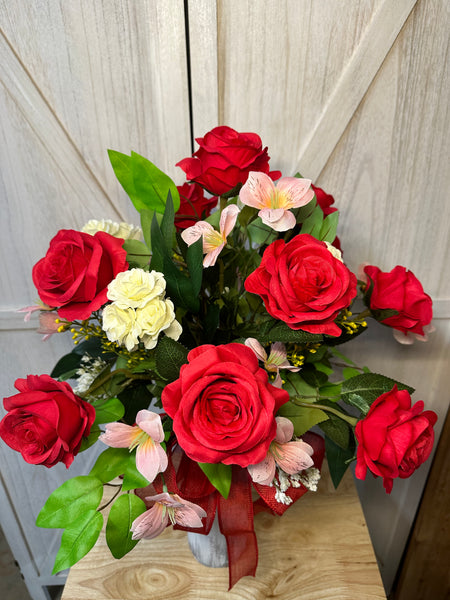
351	93
354	95
76	78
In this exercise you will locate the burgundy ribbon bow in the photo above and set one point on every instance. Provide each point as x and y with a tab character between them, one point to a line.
235	514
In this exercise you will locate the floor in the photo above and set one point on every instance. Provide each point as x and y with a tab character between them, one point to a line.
12	585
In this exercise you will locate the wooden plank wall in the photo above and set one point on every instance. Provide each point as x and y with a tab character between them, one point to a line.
352	93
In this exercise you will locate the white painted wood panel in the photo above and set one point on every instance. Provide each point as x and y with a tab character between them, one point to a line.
369	80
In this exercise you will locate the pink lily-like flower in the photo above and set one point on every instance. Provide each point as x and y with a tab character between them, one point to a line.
146	436
213	241
291	457
276	360
167	507
274	201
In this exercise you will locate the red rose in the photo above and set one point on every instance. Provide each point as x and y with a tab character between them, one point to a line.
193	205
398	290
225	158
223	407
75	272
395	438
303	284
46	421
325	201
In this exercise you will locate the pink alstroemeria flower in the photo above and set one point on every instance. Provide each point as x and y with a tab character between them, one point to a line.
213	241
167	507
274	201
291	457
146	436
276	360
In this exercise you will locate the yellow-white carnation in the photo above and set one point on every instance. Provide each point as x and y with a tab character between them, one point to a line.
156	316
120	326
135	288
118	230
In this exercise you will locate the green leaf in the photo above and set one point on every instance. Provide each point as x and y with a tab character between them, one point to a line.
331	389
121	164
194	260
138	255
132	478
135	398
152	185
167	224
313	377
66	365
370	386
111	463
68	502
302	213
276	331
123	512
313	223
169	356
336	429
260	233
338	460
296	386
349	372
302	418
329	227
91	439
358	402
109	411
219	475
78	539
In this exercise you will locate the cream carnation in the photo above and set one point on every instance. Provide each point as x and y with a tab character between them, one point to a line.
135	288
120	326
118	230
156	316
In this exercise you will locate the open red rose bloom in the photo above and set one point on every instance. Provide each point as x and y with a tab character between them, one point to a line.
223	406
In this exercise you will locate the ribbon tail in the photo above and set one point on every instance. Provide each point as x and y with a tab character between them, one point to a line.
236	524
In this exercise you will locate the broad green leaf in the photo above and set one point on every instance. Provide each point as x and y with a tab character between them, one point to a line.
313	377
132	478
152	185
336	429
167	223
302	418
276	331
194	260
219	475
370	386
329	227
338	460
146	224
91	439
109	411
260	233
78	539
66	365
123	512
302	213
358	402
135	398
349	372
170	355
331	389
296	386
121	164
111	463
72	499
138	255
214	219
313	223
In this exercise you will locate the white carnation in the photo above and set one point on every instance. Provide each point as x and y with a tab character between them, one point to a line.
135	288
120	326
156	316
118	230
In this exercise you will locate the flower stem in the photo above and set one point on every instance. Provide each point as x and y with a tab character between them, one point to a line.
350	420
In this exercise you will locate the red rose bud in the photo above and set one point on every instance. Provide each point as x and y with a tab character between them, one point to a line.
46	421
303	284
74	274
397	299
224	160
194	206
395	438
223	407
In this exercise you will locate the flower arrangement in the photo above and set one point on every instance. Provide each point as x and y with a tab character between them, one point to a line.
206	352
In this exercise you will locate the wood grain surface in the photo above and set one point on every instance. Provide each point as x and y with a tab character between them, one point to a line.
320	549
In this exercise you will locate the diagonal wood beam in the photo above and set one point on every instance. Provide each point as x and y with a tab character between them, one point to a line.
46	125
369	55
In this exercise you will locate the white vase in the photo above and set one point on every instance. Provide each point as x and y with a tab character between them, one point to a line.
210	550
